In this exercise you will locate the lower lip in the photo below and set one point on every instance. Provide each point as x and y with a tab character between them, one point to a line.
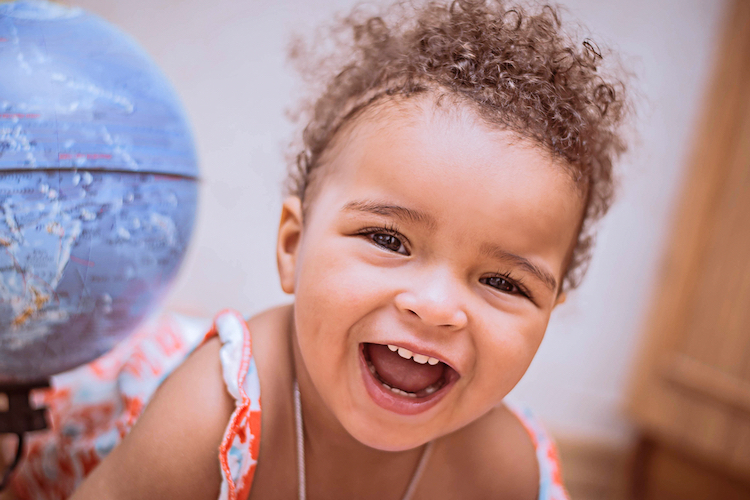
397	403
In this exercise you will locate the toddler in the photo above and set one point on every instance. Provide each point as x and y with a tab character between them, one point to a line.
440	209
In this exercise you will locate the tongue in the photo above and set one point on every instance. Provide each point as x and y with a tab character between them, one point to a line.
404	374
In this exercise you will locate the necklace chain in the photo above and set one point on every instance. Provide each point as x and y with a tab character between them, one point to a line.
301	481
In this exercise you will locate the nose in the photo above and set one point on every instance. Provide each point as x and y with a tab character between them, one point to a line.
435	298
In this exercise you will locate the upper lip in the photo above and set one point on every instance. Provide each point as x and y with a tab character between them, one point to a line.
420	349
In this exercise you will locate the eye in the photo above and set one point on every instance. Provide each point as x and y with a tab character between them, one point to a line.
387	239
503	284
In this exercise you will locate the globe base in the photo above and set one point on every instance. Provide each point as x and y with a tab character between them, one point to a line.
20	418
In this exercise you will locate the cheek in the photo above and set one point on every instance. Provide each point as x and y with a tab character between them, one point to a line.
334	276
331	292
507	348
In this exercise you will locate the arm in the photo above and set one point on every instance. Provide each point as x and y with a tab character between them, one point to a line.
172	451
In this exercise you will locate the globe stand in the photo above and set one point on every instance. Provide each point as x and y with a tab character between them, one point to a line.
20	418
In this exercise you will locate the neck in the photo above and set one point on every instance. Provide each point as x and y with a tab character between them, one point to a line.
334	457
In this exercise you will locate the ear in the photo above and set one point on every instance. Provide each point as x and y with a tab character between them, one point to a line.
561	298
287	244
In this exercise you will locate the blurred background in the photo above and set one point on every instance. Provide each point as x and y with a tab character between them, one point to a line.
227	60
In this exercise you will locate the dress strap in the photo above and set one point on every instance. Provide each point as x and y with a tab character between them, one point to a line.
551	485
240	446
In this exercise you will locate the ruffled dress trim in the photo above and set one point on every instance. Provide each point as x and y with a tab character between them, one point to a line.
238	453
551	485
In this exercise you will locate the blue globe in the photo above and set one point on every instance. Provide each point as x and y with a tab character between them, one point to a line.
98	188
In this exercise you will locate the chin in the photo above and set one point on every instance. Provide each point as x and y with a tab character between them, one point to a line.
387	437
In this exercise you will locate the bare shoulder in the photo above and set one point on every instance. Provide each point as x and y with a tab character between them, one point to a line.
272	348
265	327
494	457
172	451
276	474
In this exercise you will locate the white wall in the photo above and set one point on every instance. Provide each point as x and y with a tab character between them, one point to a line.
227	61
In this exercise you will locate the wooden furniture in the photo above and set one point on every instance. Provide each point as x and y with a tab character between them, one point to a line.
691	395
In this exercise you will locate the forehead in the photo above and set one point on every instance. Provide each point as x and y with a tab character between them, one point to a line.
441	112
445	127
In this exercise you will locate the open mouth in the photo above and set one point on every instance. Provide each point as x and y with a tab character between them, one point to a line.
404	381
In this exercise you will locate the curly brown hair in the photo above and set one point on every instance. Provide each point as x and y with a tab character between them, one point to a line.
516	67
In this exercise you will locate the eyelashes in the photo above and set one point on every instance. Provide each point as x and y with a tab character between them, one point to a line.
505	283
389	238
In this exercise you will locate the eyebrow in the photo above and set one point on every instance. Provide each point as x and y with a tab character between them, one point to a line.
542	274
390	210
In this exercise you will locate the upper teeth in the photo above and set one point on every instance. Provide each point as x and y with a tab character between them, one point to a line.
407	354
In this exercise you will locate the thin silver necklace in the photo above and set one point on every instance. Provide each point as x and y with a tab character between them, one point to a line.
302	485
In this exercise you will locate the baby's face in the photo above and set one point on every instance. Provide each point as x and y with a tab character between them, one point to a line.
434	234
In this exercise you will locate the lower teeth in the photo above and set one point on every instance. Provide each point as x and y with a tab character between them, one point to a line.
403	393
429	390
